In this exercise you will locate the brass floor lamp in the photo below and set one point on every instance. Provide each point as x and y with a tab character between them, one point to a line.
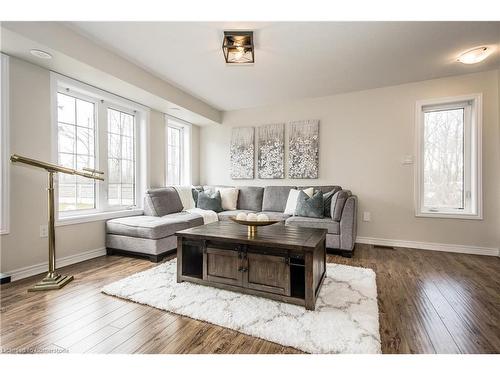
53	280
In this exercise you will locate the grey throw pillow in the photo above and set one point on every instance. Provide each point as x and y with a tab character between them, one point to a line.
310	206
209	201
327	203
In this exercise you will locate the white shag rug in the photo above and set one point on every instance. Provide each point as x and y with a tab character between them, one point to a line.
345	319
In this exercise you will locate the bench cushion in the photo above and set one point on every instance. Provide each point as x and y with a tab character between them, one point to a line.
309	222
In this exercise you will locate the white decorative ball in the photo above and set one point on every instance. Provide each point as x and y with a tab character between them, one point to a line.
241	216
262	217
251	217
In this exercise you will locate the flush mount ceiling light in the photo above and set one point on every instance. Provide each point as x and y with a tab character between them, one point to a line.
40	54
474	56
238	47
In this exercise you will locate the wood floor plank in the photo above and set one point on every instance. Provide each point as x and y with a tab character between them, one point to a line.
428	302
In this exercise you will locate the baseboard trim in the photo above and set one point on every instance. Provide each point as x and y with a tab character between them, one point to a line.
22	273
476	250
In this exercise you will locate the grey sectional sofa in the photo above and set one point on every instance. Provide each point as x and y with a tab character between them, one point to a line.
152	234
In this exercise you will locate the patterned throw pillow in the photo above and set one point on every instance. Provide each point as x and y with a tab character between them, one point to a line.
327	202
208	201
293	195
310	207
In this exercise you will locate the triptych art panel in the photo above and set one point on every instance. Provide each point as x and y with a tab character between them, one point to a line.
271	151
303	151
242	153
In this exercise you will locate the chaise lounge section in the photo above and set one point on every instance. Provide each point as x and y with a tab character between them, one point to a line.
153	234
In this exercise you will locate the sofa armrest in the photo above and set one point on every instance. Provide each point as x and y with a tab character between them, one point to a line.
348	223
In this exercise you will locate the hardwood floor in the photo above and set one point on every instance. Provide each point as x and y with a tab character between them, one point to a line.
429	302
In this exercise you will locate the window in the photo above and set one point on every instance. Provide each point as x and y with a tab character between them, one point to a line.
449	158
97	130
178	152
174	155
121	158
4	144
76	150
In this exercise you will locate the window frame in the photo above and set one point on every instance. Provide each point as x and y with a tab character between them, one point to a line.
185	177
4	146
103	100
98	186
137	120
181	153
473	205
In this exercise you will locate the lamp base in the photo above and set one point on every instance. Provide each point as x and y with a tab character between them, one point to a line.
51	282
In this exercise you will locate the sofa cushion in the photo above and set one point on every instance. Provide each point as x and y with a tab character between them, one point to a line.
275	197
224	215
209	201
214	188
309	222
193	219
151	227
322	188
338	202
162	201
250	198
273	215
308	206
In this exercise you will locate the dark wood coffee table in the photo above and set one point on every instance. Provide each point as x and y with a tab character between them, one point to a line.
284	263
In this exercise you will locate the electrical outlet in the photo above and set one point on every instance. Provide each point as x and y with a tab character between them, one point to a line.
407	160
44	231
367	216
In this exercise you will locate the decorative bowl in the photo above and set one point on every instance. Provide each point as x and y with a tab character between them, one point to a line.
253	224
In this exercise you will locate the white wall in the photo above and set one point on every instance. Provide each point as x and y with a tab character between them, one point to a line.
30	135
364	135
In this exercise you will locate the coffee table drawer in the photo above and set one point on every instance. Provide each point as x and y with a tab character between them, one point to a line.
222	266
267	273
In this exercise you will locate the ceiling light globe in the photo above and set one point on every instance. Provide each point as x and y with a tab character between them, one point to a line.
474	56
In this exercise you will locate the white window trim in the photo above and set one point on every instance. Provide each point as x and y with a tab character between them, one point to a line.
87	92
186	140
4	146
476	153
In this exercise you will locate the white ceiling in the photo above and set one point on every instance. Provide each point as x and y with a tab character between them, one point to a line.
295	60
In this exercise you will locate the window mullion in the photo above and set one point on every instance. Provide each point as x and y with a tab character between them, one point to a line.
102	125
468	160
